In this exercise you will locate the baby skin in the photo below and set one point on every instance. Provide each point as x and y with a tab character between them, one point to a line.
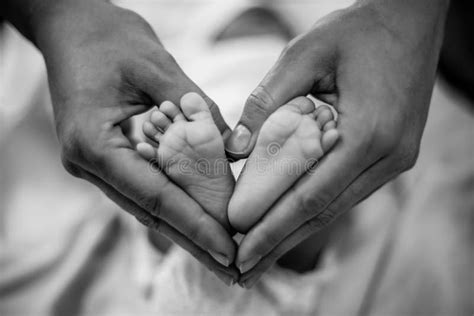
190	150
289	144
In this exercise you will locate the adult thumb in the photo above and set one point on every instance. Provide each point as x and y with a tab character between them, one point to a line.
290	77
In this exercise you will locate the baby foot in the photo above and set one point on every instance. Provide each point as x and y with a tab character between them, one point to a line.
191	152
289	144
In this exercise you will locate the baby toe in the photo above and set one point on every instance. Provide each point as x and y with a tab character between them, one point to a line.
151	131
329	125
146	151
302	105
172	111
329	139
195	107
160	120
323	115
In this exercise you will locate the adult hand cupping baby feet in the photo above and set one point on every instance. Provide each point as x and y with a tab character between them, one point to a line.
289	144
190	150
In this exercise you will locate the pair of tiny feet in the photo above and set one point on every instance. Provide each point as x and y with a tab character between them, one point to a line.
187	145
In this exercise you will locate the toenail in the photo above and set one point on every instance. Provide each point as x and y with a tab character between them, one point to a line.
249	264
239	140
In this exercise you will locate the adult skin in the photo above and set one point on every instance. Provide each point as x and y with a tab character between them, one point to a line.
375	62
105	65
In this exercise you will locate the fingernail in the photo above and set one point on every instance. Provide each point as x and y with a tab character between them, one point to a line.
250	283
228	280
239	140
220	258
249	264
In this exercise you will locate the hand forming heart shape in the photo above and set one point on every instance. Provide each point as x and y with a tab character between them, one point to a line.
191	153
354	59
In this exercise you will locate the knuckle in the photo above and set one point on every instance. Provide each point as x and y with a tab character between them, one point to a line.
384	144
96	156
165	59
129	16
152	203
70	167
376	139
149	221
321	220
156	225
407	157
193	233
70	151
309	205
306	206
260	101
376	145
69	144
293	47
269	240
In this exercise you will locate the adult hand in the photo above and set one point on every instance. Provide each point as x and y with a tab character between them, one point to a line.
105	65
375	62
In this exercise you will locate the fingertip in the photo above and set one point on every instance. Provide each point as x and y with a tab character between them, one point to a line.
329	125
220	246
149	129
240	142
221	258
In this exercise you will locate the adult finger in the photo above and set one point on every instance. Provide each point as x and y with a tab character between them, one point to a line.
129	206
154	192
309	196
115	162
293	75
362	187
229	275
226	274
